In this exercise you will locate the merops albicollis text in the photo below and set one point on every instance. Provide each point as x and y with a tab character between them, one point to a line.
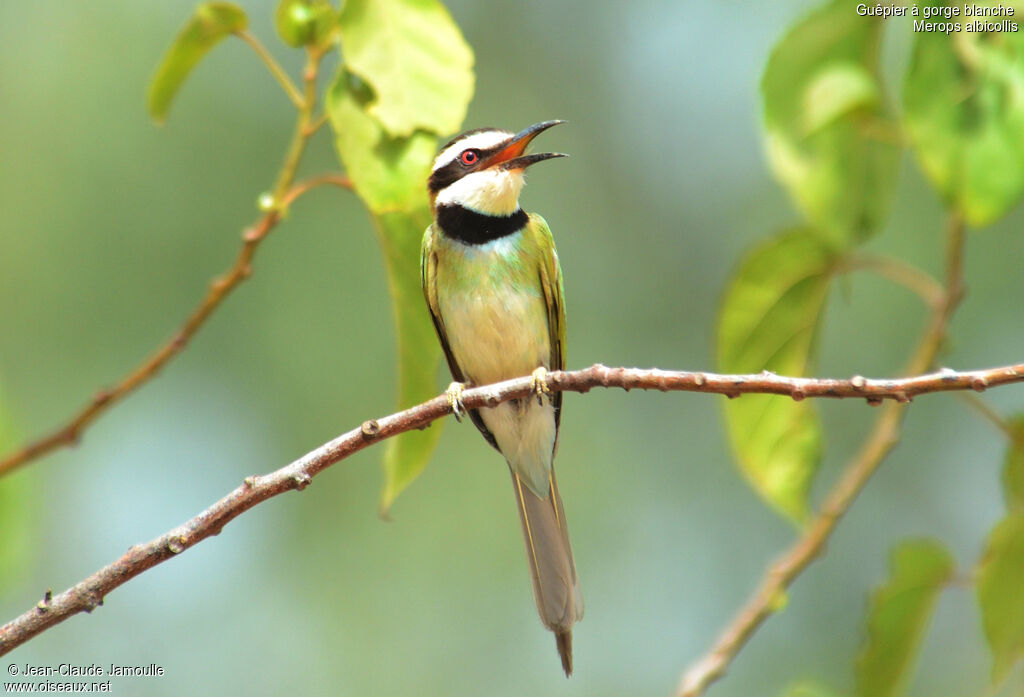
494	288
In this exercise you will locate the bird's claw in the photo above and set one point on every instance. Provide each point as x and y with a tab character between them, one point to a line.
454	395
539	384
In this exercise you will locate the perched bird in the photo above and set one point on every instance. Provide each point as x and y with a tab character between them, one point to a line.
494	288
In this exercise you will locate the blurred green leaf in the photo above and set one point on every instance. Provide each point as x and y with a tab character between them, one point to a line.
1001	593
211	22
964	112
390	175
809	688
835	92
1013	468
418	348
768	321
414	57
821	106
304	22
898	616
16	513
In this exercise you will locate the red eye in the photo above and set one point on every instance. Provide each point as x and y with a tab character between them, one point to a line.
469	157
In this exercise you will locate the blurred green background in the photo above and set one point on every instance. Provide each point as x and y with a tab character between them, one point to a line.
112	228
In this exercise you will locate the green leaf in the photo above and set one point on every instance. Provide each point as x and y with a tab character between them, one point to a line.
17	506
898	616
211	22
821	105
16	526
419	353
387	172
1001	593
964	112
768	321
836	91
809	688
1013	468
390	174
414	57
304	22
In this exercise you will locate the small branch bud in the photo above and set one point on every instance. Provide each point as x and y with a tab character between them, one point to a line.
370	429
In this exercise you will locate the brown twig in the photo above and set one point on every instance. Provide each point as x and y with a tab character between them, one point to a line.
330	178
285	193
86	595
810	545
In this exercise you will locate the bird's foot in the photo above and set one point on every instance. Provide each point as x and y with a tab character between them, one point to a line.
454	395
539	384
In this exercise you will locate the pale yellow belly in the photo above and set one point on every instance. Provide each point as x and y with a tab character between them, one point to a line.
498	335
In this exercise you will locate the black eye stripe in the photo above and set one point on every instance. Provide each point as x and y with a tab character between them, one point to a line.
445	176
456	170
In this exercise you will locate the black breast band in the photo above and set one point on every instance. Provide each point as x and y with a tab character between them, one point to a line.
471	227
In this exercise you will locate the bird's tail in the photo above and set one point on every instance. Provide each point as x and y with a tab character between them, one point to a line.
555	586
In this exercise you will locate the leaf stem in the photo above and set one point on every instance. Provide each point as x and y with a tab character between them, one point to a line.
884	436
273	66
919	282
317	123
302	133
338	180
993	417
883	131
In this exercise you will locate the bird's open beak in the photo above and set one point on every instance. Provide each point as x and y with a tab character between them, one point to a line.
511	156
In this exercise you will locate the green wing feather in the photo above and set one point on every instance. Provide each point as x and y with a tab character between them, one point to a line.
554	292
428	277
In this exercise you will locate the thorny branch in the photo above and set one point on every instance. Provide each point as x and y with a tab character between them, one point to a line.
285	192
89	593
884	436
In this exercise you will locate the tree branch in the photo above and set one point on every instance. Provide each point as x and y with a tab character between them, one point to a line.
89	593
284	194
883	438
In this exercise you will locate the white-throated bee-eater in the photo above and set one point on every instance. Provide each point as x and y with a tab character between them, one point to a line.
494	288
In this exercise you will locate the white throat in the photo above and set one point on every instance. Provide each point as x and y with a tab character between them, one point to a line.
493	191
